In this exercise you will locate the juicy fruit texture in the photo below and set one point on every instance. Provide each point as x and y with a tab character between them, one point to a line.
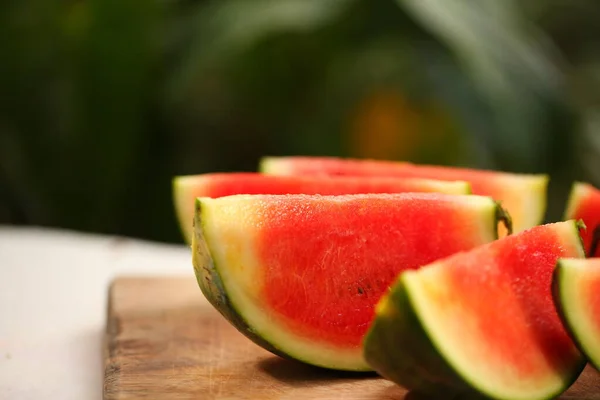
524	196
576	290
300	274
584	204
481	323
187	188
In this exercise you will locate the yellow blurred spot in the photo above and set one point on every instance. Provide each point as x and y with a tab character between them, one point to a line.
386	126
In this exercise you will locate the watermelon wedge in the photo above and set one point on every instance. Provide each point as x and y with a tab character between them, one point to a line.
524	196
584	204
481	323
300	274
187	188
576	290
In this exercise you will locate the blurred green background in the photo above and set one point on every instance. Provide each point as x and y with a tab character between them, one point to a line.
102	102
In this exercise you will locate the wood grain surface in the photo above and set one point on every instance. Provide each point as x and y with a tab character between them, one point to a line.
164	341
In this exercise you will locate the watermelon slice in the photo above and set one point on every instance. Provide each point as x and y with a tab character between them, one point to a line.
576	289
187	188
481	323
300	274
524	196
584	204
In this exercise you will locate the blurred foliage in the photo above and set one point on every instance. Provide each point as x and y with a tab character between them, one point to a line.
103	101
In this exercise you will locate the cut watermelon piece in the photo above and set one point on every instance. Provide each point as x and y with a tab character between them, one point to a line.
300	274
576	290
481	323
524	196
187	188
584	204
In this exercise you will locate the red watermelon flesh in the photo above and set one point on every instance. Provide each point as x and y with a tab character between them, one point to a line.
584	204
298	259
300	274
490	316
517	281
187	188
523	195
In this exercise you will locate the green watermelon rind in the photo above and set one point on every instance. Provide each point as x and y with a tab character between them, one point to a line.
211	285
538	190
562	294
406	368
421	366
234	305
179	185
269	165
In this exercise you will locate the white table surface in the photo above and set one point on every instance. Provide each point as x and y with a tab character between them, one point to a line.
52	306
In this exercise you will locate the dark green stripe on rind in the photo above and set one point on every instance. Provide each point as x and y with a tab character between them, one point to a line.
398	347
504	216
559	299
211	284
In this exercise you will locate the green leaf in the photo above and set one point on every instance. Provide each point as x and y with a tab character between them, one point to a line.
510	64
491	40
224	29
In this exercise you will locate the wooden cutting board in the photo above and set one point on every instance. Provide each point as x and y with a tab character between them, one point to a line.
165	341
